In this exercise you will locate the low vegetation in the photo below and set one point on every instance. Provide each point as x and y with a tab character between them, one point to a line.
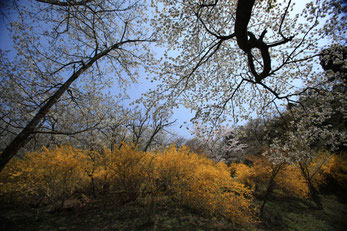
161	190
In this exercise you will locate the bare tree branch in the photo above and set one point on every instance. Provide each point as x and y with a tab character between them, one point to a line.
66	3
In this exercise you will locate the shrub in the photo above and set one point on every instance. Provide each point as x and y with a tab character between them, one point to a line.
257	175
182	176
289	179
291	182
126	170
204	185
48	175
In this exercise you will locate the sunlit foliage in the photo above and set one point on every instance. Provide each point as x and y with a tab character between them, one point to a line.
192	180
290	180
45	176
205	185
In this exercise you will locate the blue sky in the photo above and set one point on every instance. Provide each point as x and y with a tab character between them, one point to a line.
181	114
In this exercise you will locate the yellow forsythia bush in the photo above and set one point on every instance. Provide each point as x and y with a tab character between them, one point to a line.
256	175
336	168
48	175
289	179
321	166
126	170
182	176
243	173
204	185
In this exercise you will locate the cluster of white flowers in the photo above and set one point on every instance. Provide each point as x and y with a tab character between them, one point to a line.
319	122
221	144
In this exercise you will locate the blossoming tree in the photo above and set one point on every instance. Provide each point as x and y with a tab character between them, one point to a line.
62	47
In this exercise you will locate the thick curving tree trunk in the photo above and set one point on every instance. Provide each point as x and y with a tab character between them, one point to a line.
246	40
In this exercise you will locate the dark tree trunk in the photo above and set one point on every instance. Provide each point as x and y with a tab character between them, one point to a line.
270	187
243	15
154	133
246	40
313	191
21	139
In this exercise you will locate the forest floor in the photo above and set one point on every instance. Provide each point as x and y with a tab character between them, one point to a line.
280	214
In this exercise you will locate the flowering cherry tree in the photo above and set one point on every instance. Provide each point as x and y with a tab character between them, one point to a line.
221	145
66	45
228	59
318	122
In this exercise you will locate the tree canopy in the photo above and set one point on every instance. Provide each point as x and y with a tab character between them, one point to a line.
223	59
223	55
63	47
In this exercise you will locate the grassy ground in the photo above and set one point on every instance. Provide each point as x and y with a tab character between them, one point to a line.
95	217
301	215
280	214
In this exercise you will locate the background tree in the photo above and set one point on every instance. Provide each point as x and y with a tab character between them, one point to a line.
221	145
145	126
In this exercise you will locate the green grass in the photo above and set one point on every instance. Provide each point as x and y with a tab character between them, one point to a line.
301	215
280	214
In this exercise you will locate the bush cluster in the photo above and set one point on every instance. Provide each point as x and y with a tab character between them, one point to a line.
56	175
290	181
169	175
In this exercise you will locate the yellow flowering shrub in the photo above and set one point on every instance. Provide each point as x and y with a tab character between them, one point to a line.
204	185
179	175
318	167
257	175
52	175
126	170
291	181
243	173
